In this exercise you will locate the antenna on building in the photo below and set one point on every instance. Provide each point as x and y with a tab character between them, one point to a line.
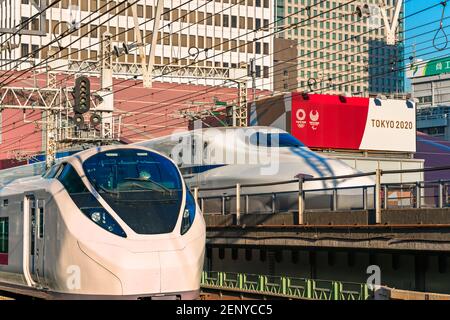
414	54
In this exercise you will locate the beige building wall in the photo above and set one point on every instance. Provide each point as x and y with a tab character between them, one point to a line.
339	51
226	28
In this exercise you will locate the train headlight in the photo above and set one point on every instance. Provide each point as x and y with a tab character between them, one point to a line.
103	219
188	213
96	217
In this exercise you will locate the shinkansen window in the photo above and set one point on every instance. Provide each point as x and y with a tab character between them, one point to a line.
4	234
142	187
275	140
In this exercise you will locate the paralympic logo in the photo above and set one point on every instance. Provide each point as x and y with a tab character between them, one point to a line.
313	119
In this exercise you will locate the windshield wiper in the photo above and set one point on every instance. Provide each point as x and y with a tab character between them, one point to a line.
151	181
115	193
151	189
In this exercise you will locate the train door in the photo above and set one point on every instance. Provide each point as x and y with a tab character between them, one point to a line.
39	247
34	221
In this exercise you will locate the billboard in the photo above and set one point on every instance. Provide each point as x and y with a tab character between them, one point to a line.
337	122
429	68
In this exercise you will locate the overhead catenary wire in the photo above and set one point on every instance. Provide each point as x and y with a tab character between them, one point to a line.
441	29
356	80
322	13
62	35
168	25
260	28
290	26
25	23
250	32
187	14
119	33
2	84
350	39
182	5
153	118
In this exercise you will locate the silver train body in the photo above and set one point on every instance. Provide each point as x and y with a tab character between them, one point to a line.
221	157
108	222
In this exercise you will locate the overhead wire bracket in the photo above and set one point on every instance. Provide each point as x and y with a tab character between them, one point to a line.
147	69
390	28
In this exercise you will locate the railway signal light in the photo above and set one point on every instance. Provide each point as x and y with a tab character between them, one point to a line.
82	95
78	119
95	119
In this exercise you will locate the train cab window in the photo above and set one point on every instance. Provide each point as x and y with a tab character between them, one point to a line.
71	180
53	171
4	234
85	200
275	140
142	187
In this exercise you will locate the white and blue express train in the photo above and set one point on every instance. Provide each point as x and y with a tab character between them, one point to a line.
222	157
108	222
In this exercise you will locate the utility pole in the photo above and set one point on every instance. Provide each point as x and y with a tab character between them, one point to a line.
106	108
50	128
241	108
253	75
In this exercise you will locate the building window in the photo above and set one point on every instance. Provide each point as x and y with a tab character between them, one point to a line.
266	48
25	50
4	235
257	23
35	51
266	72
426	99
233	21
257	47
226	21
258	71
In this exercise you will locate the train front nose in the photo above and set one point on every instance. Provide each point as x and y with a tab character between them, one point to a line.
153	268
181	269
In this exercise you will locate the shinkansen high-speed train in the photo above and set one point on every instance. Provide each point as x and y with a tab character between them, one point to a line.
108	222
220	157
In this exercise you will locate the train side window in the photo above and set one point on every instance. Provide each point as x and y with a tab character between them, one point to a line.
4	234
41	220
71	180
53	171
33	227
274	140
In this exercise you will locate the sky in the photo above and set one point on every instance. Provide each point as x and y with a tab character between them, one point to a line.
421	28
417	24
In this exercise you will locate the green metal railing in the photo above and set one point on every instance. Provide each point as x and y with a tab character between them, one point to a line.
288	287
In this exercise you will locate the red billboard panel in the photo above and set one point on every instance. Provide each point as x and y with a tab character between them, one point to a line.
337	122
326	121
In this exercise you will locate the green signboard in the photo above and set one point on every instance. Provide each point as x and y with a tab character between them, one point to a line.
438	66
430	68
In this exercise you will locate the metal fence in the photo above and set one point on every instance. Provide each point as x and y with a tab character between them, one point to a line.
235	200
288	287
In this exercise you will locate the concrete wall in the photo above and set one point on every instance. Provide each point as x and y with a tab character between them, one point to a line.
398	270
369	164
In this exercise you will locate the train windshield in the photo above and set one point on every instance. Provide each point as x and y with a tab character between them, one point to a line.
142	187
275	140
